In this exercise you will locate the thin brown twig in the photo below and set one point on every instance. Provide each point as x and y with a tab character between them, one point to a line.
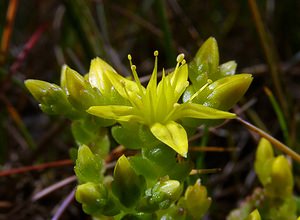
280	146
58	163
205	171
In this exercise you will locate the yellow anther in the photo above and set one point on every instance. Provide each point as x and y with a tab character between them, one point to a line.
180	58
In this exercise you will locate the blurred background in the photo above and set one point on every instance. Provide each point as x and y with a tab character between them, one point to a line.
38	37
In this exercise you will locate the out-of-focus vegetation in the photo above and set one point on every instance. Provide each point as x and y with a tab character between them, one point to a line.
38	37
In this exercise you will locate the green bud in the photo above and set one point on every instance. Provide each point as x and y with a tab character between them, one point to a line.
127	185
165	192
254	215
196	200
205	64
88	166
79	91
282	178
96	200
263	161
52	98
224	93
92	194
264	150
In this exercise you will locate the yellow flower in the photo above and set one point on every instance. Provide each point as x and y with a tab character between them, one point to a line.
156	106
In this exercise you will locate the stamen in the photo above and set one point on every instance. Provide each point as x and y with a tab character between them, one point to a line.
153	79
180	58
134	73
209	81
154	73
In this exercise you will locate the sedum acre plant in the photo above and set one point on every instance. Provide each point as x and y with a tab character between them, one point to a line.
155	120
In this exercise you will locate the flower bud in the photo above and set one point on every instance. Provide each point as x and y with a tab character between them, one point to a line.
224	93
165	192
205	64
127	185
79	91
98	75
263	161
196	200
282	178
51	97
92	194
96	200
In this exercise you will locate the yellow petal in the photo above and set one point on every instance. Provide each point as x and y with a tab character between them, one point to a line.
173	135
99	73
193	110
116	112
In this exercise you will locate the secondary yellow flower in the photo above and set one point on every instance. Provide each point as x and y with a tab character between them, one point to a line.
156	106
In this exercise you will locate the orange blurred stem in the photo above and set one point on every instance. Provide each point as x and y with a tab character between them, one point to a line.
205	171
6	36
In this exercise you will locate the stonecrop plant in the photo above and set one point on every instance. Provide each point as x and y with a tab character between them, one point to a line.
155	120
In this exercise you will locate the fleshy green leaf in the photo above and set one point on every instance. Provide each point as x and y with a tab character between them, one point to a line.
88	166
127	185
173	135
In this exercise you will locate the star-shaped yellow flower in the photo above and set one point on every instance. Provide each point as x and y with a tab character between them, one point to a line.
156	106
